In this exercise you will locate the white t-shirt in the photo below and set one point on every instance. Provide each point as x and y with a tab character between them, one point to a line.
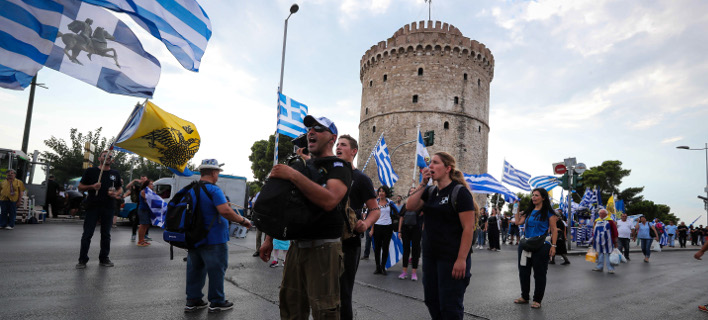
624	229
385	217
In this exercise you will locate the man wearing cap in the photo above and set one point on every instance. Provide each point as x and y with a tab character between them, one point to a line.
311	276
213	258
100	204
10	195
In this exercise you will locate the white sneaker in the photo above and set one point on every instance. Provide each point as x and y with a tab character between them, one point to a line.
8	228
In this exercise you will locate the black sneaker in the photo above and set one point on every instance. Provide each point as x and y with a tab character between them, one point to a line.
106	263
255	254
218	307
81	265
194	305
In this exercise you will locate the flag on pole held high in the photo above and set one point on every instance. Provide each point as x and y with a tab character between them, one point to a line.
290	116
157	206
383	161
484	183
515	177
421	152
27	33
546	182
94	46
160	136
182	25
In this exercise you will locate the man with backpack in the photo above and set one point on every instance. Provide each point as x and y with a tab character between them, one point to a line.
212	257
311	276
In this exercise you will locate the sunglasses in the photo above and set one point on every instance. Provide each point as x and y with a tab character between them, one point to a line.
318	128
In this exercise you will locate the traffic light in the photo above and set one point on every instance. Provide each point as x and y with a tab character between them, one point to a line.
429	138
564	183
577	180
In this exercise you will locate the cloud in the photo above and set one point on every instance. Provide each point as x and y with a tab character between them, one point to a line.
350	10
671	140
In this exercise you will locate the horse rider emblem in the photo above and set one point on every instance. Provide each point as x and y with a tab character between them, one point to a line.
86	39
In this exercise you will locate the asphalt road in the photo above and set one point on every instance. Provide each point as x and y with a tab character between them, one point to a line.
38	281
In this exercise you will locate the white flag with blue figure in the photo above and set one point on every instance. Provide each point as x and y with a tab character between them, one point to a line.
515	177
383	161
546	182
28	29
486	184
158	207
94	46
182	25
421	152
290	116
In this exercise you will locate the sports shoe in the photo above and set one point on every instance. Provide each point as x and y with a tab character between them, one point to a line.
106	263
566	262
81	265
703	308
147	238
194	305
414	277
611	272
403	276
132	238
218	307
255	254
273	263
597	269
8	228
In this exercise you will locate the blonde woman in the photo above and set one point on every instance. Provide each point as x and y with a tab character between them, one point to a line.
447	236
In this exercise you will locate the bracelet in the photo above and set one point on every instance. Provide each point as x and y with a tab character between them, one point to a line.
553	245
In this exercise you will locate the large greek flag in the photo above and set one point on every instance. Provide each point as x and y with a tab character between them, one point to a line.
290	116
421	152
486	184
182	25
117	62
515	177
589	199
383	161
546	182
28	29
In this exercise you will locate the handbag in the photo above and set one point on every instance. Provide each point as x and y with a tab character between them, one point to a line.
533	244
591	255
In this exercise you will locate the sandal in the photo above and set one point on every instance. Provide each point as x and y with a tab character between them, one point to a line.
521	301
536	305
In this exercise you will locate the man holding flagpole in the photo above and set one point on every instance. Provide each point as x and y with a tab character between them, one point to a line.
99	207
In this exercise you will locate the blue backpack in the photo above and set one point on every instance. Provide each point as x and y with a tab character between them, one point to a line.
184	222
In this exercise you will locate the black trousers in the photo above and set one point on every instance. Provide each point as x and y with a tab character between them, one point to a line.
539	264
623	246
493	236
382	238
410	235
682	241
351	248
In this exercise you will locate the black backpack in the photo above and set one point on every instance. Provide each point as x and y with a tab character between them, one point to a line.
184	222
281	210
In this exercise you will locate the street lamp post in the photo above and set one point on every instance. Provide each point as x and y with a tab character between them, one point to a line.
705	202
294	8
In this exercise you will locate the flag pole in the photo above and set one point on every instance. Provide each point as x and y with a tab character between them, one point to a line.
110	148
415	154
372	152
277	116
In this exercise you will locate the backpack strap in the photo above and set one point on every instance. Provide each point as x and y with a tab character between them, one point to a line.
453	195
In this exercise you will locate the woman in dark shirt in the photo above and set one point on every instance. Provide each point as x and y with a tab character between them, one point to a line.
409	231
493	230
447	236
539	220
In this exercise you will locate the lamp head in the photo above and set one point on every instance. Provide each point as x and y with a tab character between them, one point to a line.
294	8
683	147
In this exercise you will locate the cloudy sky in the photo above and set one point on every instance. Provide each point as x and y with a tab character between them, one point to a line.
596	80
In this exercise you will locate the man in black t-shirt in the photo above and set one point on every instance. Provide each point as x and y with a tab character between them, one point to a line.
51	197
311	274
361	192
99	207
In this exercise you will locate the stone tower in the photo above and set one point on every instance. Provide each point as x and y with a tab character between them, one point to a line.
428	75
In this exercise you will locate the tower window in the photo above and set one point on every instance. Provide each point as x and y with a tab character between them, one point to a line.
371	83
479	129
446	125
457	100
465	77
385	77
415	98
374	129
479	83
366	111
420	71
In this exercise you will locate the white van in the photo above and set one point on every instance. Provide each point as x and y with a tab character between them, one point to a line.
234	188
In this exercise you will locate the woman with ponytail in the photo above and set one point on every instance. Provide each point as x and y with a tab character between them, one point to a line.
447	236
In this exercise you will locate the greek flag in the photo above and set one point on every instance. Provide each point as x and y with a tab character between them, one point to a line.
486	184
182	25
421	153
563	205
94	46
516	178
158	207
290	116
589	199
546	182
28	29
383	161
395	251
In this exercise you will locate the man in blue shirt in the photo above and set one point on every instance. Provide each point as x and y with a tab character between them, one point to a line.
213	258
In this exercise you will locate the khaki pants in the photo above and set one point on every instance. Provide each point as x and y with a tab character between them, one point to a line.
311	280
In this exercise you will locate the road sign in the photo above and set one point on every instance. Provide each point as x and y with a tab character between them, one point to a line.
580	168
559	168
569	162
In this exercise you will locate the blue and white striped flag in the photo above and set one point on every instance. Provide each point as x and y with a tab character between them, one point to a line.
158	207
117	62
395	251
28	29
383	161
182	25
421	152
589	199
486	184
290	116
516	178
546	182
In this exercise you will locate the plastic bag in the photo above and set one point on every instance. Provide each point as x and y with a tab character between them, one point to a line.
591	256
656	247
615	257
623	259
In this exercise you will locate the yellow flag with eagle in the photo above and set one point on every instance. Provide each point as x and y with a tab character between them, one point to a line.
159	136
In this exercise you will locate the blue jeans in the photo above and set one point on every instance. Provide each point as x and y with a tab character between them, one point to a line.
9	213
212	260
646	247
93	215
671	240
444	296
602	259
481	235
539	263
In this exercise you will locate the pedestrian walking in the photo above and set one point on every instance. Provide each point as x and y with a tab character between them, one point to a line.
144	214
671	233
504	228
561	249
482	228
447	236
383	230
11	190
410	230
646	234
493	230
604	240
625	231
682	234
694	235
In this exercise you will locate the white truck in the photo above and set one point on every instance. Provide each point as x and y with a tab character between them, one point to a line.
234	188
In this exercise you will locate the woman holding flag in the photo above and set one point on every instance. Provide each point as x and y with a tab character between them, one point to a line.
447	236
383	230
144	214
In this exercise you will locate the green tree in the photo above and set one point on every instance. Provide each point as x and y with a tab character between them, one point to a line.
262	153
607	178
651	210
524	202
65	161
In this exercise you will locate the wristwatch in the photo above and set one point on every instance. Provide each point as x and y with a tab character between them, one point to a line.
553	245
